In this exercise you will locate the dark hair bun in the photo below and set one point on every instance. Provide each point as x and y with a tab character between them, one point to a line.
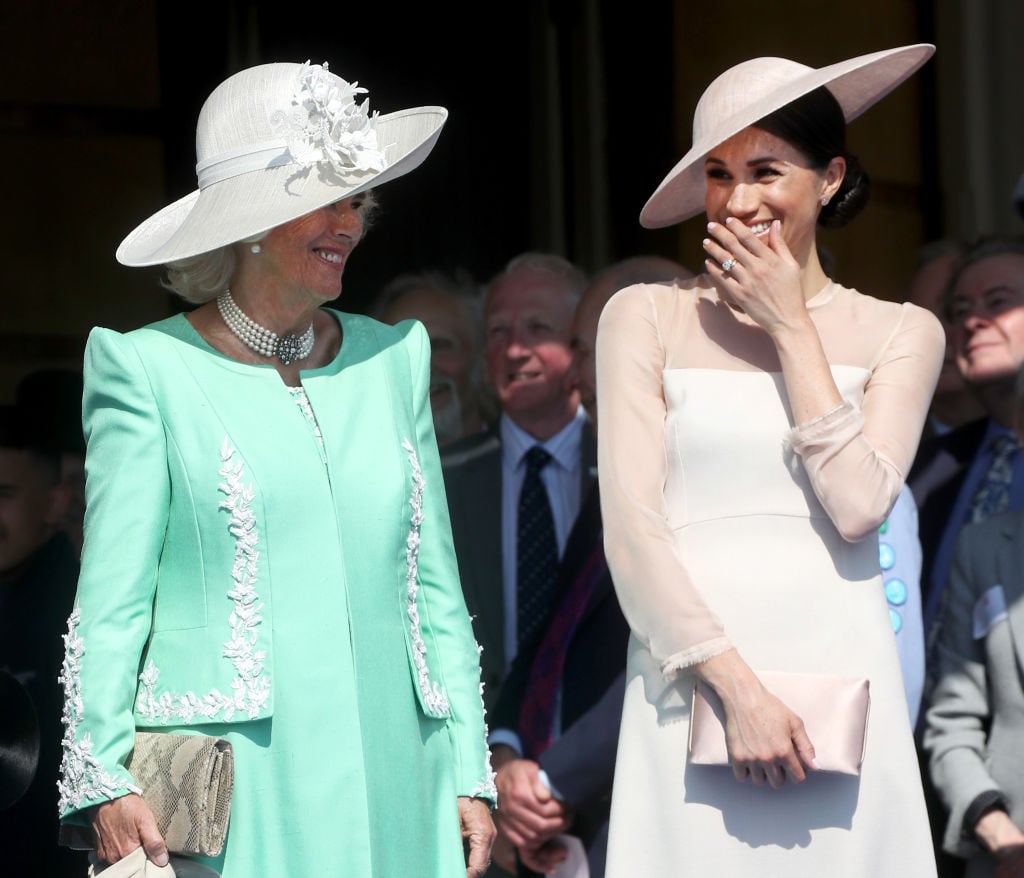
851	198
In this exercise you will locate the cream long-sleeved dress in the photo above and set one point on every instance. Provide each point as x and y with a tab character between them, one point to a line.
727	525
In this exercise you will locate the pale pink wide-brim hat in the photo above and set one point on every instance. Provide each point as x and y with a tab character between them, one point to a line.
754	89
273	143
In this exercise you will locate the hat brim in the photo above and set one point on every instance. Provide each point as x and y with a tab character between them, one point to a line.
856	84
19	740
241	207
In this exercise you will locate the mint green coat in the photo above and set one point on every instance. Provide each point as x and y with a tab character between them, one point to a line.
241	578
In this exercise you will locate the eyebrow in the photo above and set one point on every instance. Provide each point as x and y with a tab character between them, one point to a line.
760	160
961	296
997	287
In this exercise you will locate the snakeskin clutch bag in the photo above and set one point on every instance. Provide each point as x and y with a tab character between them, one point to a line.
834	711
187	782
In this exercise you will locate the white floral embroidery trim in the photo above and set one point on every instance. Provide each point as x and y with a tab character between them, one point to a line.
251	686
82	778
435	699
486	788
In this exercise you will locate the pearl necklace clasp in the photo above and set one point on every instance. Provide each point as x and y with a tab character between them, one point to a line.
265	342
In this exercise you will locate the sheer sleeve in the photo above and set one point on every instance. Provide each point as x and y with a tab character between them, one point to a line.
857	458
663	607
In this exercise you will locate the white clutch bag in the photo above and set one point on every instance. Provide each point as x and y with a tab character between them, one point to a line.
834	710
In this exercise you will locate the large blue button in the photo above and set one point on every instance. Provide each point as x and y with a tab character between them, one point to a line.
896	592
896	619
886	556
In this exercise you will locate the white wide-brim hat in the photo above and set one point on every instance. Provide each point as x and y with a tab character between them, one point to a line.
748	92
274	143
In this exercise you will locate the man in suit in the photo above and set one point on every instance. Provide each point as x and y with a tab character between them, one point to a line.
974	726
970	472
528	312
985	302
555	725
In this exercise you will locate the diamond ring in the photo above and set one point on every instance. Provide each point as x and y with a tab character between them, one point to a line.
728	264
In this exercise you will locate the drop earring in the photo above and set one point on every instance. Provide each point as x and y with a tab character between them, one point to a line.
255	249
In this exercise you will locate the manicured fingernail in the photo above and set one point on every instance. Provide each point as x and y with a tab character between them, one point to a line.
706	242
712	226
814	765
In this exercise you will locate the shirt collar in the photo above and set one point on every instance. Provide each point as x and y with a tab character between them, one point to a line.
564	446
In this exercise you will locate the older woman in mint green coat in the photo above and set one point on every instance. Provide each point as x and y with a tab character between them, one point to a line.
268	555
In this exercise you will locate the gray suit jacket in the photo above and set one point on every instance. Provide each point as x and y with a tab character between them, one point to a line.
472	480
975	725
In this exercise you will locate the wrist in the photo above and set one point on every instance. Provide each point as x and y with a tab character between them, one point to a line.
729	675
792	331
502	755
997	833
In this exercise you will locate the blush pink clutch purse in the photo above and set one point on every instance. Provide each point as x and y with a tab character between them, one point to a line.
834	711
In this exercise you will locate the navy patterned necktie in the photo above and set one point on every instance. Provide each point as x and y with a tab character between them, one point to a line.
993	494
536	549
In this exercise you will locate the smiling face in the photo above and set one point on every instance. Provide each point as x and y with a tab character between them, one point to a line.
987	316
310	253
528	326
757	177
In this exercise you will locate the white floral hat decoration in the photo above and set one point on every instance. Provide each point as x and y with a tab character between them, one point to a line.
754	89
273	143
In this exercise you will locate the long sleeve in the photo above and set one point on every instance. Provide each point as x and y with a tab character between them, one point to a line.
958	720
581	763
902	549
658	598
127	494
442	610
857	458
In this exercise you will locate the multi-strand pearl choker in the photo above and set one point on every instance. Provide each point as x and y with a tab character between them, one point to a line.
263	341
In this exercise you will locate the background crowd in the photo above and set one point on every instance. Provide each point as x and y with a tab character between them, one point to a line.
512	366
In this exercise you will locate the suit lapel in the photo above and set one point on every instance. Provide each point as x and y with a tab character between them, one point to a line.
483	487
588	461
582	540
1011	568
473	481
